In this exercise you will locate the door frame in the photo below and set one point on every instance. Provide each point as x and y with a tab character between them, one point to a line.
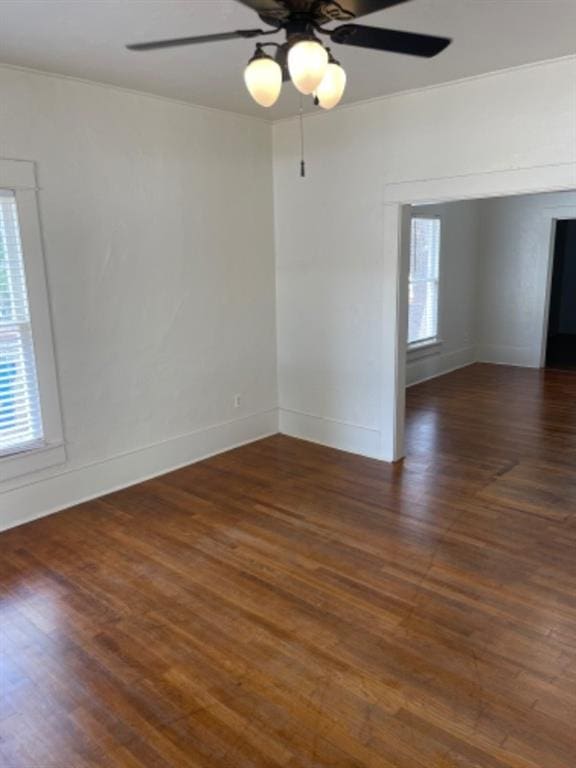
397	197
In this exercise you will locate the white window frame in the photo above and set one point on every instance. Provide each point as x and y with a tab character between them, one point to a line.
429	346
19	176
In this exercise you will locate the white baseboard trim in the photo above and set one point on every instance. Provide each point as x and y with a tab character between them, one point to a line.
432	366
523	357
351	438
70	487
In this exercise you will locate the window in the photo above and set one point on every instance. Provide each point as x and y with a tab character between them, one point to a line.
424	280
20	415
30	424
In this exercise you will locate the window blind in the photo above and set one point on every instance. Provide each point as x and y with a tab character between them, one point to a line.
423	280
20	413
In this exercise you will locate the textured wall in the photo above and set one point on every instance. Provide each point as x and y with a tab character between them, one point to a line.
158	229
516	237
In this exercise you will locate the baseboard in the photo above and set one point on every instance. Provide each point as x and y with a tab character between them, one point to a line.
68	488
330	432
506	355
438	364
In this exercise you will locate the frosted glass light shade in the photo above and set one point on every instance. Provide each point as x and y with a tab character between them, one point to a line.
263	78
307	63
332	87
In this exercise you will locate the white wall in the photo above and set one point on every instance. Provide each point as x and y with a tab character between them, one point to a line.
158	229
336	279
457	310
514	277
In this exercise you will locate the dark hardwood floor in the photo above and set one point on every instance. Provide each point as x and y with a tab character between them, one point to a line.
285	604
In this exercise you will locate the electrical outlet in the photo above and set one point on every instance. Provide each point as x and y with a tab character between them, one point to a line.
237	401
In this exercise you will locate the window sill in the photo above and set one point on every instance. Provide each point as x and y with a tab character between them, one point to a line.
31	461
424	349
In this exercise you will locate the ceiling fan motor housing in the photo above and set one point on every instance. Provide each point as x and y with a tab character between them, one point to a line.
303	11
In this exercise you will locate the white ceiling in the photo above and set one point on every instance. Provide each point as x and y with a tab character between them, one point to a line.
86	38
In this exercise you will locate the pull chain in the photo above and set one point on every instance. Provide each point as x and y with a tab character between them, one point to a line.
302	159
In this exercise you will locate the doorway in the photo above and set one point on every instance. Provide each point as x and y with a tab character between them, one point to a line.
398	198
561	339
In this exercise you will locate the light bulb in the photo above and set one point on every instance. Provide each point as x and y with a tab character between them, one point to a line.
307	63
263	78
331	89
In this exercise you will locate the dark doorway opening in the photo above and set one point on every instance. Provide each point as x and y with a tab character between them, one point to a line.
561	345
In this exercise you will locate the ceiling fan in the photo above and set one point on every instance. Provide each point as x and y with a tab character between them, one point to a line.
303	58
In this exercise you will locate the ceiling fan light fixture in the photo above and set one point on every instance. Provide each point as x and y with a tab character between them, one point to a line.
331	89
307	64
263	78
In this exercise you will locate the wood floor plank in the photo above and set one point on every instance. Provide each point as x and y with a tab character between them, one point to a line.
285	604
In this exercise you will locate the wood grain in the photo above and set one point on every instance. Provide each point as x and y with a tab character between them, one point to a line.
285	604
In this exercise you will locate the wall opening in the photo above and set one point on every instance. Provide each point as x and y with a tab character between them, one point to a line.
561	337
399	199
506	296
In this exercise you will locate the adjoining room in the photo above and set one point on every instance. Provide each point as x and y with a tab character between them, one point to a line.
490	295
490	282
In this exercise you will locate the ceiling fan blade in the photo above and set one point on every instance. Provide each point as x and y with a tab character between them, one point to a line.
362	7
265	6
392	40
274	11
157	44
